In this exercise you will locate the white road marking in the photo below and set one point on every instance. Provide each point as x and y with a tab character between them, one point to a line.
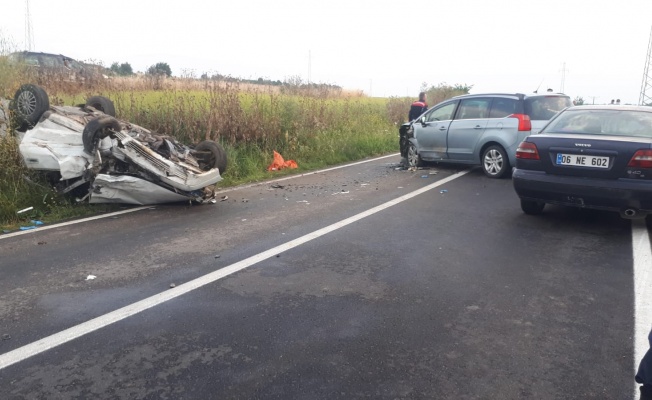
642	290
74	332
79	221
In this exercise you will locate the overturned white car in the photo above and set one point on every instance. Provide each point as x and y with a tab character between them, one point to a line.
87	150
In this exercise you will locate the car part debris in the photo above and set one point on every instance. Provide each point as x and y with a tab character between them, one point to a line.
90	277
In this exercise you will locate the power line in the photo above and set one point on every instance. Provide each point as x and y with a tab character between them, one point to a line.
646	86
563	77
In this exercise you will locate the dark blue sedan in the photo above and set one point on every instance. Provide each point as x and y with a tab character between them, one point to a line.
589	156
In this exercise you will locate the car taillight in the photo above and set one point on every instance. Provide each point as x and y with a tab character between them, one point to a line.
527	151
524	123
641	159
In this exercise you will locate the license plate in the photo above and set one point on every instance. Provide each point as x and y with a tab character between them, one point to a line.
582	160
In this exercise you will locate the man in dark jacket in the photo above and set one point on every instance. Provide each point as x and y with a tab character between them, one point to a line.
644	374
418	107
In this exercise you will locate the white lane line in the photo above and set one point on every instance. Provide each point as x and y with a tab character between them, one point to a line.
305	174
79	221
642	290
84	328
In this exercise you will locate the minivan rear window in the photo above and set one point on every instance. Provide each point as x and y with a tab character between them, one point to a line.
545	107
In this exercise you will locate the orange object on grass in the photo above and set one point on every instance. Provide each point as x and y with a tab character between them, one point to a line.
280	163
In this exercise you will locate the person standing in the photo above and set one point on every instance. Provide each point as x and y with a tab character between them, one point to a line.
418	107
644	374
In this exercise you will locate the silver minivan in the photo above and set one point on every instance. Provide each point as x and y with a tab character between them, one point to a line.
478	129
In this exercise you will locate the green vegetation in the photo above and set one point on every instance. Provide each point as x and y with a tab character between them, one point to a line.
123	69
160	68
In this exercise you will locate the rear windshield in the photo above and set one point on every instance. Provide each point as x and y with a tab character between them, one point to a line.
603	122
545	107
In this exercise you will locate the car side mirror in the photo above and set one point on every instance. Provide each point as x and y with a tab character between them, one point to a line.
423	121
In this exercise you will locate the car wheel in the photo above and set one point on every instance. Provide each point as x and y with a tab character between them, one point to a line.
413	158
97	129
532	207
495	163
101	103
30	102
211	154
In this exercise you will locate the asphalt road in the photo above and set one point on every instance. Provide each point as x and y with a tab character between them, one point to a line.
450	294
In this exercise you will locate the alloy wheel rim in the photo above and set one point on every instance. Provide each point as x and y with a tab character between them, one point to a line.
26	103
413	158
493	162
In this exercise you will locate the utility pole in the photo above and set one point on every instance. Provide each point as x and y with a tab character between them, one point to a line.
309	65
646	87
29	33
563	77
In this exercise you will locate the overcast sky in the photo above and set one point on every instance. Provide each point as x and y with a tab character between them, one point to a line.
384	47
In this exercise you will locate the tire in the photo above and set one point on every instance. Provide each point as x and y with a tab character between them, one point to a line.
97	129
101	103
212	155
413	158
532	207
30	102
495	162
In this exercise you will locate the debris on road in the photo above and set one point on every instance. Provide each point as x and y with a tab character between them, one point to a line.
277	186
90	277
172	285
24	210
424	176
41	243
6	336
224	198
217	256
443	191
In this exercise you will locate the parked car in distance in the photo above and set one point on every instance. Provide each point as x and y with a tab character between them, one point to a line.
56	64
478	129
590	157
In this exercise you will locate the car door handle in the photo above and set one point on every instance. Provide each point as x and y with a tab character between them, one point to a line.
477	127
442	128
